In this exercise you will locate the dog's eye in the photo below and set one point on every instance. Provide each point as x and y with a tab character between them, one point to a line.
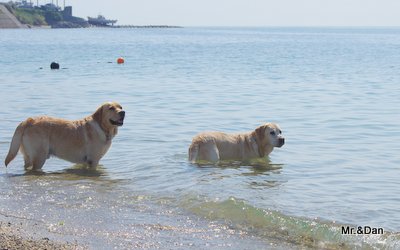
280	132
111	108
272	133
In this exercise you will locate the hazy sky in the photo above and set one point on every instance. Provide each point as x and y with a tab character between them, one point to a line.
242	12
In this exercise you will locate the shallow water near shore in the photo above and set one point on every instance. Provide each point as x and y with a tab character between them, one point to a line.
333	91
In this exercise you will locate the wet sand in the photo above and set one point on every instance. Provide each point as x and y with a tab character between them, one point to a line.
14	236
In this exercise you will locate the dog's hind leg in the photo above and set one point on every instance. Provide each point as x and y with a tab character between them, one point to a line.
27	159
35	151
193	152
39	156
209	152
39	160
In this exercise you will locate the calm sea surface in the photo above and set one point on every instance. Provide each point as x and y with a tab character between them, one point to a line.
334	92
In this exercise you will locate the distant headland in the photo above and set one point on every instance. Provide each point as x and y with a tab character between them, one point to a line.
24	14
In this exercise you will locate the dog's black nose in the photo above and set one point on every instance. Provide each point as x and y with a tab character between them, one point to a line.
122	114
281	141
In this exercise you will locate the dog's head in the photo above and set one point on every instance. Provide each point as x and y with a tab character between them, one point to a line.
268	136
109	116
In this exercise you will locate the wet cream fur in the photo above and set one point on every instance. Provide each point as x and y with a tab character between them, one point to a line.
216	146
81	141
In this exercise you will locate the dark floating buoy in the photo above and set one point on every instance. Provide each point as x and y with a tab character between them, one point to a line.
54	65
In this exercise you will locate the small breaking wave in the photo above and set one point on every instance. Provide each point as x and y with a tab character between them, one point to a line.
278	227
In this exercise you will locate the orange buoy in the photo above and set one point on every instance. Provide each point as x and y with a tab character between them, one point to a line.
120	60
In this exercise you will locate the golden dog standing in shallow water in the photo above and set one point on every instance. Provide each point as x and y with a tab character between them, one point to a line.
82	141
215	146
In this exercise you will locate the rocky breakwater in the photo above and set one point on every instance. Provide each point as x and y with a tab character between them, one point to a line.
8	20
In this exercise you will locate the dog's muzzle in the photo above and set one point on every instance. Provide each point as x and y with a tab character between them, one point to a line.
120	121
281	142
122	115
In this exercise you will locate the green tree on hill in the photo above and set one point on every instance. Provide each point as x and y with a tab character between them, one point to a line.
53	17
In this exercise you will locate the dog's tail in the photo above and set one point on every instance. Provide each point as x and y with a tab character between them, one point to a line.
15	142
193	152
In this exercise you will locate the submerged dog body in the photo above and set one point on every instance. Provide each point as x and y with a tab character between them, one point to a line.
215	146
82	141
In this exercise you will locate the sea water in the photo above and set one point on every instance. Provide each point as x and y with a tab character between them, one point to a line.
334	92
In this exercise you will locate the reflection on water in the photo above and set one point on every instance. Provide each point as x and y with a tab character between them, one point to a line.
263	164
259	173
80	171
264	170
76	172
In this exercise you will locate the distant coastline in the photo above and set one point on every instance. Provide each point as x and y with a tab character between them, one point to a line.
25	15
138	26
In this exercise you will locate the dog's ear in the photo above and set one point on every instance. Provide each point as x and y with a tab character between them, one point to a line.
260	136
98	115
260	132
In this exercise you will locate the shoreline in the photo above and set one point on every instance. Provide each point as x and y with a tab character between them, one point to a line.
24	233
15	235
140	27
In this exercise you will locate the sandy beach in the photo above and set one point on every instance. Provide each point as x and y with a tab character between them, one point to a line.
15	236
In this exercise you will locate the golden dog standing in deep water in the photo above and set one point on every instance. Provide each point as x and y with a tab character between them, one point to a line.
82	141
216	146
